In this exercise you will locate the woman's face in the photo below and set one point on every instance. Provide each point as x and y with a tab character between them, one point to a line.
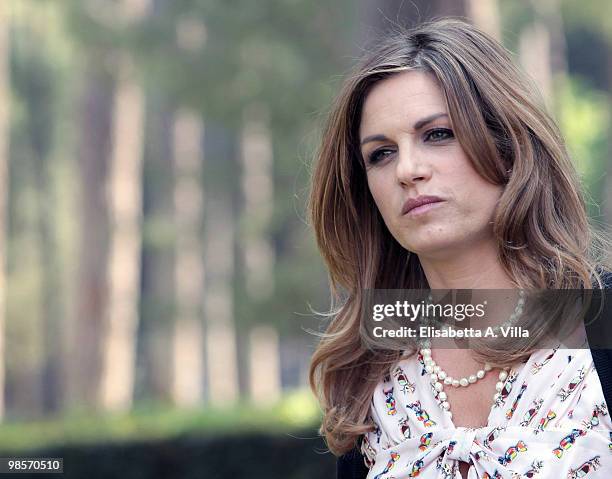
410	152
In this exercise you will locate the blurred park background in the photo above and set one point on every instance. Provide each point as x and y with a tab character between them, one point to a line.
157	273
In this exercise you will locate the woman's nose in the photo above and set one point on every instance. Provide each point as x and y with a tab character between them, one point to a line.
411	167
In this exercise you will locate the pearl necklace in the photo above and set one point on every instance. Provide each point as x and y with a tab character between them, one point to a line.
437	374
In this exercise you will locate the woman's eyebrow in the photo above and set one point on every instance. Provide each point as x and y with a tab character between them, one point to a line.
417	126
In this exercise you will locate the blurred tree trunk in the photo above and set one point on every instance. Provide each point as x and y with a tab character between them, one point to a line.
257	250
187	346
125	193
265	370
485	15
4	149
550	13
258	194
91	290
50	314
125	204
51	325
219	303
109	268
158	287
219	263
542	48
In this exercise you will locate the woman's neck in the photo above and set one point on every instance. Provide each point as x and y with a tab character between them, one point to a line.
475	268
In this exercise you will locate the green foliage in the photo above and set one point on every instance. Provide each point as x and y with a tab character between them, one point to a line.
584	119
594	14
270	51
149	421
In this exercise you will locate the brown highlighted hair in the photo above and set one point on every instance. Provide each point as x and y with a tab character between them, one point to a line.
543	234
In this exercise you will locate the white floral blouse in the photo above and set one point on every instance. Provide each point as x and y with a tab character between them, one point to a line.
551	421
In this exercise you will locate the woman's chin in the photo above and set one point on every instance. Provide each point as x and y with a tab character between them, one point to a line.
438	248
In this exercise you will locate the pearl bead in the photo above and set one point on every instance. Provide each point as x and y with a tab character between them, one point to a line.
437	369
503	375
438	387
429	368
441	374
426	351
487	367
472	379
480	374
455	383
464	382
445	405
499	386
433	378
448	380
442	396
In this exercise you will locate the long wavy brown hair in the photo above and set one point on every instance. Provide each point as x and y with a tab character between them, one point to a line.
544	237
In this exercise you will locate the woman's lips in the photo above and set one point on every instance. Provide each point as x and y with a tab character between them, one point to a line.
423	209
419	204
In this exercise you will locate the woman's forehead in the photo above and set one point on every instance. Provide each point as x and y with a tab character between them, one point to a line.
402	99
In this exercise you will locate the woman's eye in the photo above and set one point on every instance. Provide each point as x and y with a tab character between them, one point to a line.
439	134
378	155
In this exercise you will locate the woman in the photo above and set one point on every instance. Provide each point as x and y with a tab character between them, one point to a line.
439	169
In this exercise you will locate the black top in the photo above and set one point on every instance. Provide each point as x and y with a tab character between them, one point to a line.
352	466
